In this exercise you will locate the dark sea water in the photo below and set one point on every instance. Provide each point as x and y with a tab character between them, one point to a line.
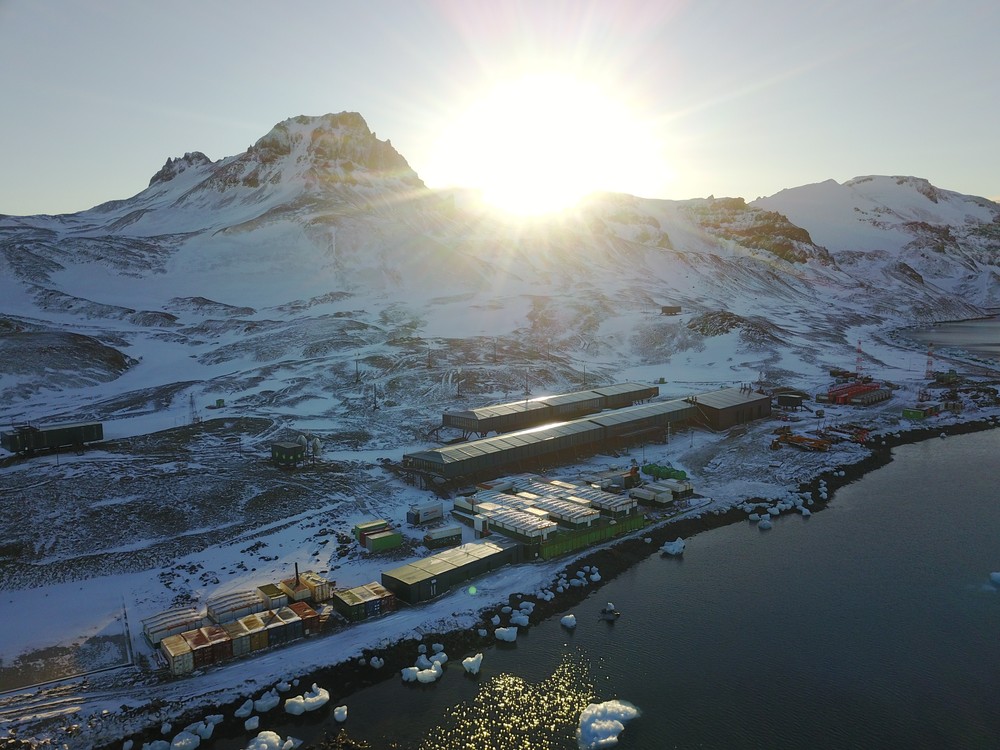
871	624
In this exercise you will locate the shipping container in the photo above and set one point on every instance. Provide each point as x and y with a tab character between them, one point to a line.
368	527
29	438
383	540
230	607
308	615
295	588
201	647
177	652
272	596
239	637
288	454
293	623
277	628
445	536
222	647
349	604
425	513
258	633
320	588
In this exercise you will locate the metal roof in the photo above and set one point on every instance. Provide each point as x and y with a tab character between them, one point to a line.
677	408
730	397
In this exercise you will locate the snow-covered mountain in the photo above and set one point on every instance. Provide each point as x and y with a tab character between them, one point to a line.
290	278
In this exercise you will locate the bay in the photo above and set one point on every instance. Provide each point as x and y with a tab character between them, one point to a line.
872	623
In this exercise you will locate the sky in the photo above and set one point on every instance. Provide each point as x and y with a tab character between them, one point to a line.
668	99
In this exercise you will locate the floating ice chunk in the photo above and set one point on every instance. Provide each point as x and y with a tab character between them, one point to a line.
648	540
127	745
507	610
430	675
805	511
560	589
266	741
185	741
506	634
440	658
266	702
252	723
215	719
495	620
308	701
774	511
283	687
568	621
527	607
422	662
422	648
203	729
995	579
595	577
601	723
675	547
580	574
754	517
578	582
765	524
166	727
340	713
520	619
376	662
482	632
409	674
156	745
437	648
472	663
245	710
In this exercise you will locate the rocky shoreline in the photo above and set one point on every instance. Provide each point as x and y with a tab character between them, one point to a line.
349	677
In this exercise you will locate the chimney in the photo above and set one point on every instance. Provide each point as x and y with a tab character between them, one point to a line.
296	575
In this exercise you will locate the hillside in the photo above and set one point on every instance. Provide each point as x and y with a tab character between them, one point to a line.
313	278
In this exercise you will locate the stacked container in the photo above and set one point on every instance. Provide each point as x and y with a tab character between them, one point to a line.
201	648
258	633
308	615
222	647
178	654
239	636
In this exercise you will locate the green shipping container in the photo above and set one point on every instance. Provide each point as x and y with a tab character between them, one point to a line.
383	540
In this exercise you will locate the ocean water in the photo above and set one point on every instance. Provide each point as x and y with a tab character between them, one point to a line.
871	624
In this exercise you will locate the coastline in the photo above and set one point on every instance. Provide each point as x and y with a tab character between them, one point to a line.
348	677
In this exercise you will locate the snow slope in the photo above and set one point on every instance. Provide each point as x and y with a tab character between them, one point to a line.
314	277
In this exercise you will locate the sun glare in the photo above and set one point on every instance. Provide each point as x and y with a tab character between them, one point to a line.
538	144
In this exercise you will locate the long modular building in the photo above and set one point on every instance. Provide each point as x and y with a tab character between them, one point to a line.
433	576
565	440
518	415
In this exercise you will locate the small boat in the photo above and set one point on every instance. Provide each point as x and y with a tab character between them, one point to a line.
609	613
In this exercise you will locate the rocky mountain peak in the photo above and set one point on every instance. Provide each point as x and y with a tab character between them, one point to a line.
174	167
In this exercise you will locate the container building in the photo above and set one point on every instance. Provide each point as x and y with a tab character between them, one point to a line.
432	576
308	616
319	587
364	602
381	541
519	415
29	438
201	647
257	630
229	607
368	527
444	536
171	622
295	589
288	455
425	513
293	623
276	627
239	637
728	407
177	651
272	596
221	645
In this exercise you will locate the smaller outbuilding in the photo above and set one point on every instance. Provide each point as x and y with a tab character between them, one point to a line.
728	407
288	455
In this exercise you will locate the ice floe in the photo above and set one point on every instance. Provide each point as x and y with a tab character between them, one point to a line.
601	723
675	547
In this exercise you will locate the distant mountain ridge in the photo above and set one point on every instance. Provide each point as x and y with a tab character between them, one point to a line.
270	275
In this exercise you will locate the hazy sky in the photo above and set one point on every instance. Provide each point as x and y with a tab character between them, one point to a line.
732	98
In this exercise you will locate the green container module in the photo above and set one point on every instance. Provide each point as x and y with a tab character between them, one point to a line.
362	530
383	540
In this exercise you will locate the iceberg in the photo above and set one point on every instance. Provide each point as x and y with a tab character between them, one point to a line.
308	701
675	547
601	723
568	621
472	663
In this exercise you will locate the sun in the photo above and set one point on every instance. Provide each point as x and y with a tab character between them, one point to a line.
539	143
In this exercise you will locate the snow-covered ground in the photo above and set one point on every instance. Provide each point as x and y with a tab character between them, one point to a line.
303	293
